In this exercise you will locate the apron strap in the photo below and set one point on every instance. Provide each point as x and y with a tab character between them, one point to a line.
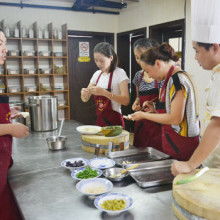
98	78
162	94
109	82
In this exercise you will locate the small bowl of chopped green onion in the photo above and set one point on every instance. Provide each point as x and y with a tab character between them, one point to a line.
86	173
113	203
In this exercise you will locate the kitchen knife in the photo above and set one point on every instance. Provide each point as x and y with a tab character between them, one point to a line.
191	178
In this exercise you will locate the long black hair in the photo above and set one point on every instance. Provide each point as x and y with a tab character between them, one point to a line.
107	50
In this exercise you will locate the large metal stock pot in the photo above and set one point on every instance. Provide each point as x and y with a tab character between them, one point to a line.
43	112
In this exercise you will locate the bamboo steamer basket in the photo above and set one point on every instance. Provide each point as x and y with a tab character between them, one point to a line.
198	199
89	142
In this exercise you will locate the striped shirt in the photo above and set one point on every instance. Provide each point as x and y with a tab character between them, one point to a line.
143	85
189	127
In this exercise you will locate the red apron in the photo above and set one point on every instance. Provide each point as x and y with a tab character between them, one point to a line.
147	133
106	116
8	207
173	144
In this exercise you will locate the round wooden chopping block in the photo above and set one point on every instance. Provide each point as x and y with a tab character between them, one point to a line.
182	214
200	197
89	142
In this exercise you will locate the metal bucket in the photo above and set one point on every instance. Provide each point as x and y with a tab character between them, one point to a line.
43	113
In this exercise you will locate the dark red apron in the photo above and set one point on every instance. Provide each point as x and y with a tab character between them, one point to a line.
8	207
173	144
106	116
147	133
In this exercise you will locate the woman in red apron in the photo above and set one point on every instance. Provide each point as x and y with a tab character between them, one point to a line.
180	125
109	86
152	130
146	90
8	207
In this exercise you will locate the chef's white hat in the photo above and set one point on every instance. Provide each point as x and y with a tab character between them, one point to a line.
205	21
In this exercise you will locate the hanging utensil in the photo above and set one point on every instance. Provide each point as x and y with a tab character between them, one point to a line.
61	127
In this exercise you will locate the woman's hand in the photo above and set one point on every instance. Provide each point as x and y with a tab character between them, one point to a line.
137	116
18	130
95	90
15	112
179	167
149	106
136	105
85	94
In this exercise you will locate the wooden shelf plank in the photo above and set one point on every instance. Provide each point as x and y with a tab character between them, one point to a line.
45	57
45	75
30	39
59	40
63	107
58	91
44	39
13	38
13	57
63	57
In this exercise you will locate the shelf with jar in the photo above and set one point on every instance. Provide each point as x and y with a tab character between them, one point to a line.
36	64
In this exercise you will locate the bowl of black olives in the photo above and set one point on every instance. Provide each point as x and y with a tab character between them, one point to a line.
74	163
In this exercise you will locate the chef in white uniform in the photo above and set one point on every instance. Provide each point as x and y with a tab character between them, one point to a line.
206	42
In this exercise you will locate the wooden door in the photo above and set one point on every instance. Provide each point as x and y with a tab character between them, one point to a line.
81	69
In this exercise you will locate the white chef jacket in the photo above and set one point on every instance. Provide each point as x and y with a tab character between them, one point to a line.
213	109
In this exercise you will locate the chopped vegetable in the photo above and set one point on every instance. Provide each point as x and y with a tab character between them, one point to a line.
95	189
111	131
114	204
87	173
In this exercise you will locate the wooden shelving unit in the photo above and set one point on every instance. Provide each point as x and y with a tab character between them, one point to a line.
55	63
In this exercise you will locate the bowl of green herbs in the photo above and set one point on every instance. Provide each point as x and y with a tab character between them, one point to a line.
86	173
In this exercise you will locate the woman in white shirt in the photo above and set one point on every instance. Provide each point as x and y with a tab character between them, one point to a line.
108	85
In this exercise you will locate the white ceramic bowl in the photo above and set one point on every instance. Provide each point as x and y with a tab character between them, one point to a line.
75	172
72	160
101	163
94	187
110	196
88	129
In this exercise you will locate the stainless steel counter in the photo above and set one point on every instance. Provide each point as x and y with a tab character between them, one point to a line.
46	191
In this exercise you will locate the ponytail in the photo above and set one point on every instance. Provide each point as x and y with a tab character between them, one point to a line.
163	52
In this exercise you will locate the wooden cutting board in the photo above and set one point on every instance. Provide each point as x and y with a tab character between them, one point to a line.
200	197
89	142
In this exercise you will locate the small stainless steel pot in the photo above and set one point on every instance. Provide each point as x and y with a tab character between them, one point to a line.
56	142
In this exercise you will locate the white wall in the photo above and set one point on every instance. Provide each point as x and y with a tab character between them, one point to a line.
150	12
75	20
